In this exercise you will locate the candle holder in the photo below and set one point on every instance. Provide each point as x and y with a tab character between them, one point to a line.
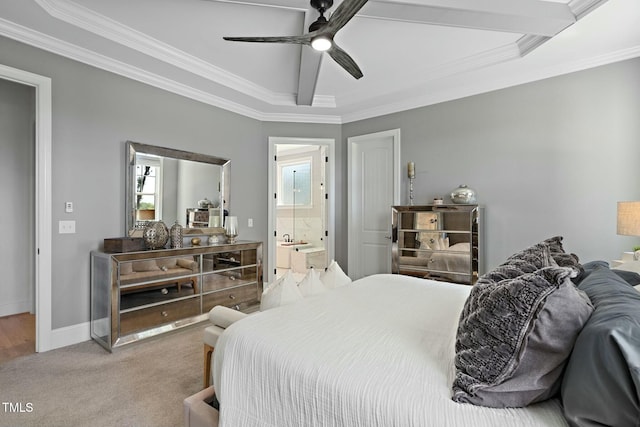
411	191
411	172
231	228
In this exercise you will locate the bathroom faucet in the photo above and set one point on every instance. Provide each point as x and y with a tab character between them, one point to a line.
286	238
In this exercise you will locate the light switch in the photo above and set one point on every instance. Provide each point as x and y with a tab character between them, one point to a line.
66	227
250	222
68	207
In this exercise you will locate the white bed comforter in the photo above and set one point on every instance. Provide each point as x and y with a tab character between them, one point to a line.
378	352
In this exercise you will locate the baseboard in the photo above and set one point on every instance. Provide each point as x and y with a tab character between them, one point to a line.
15	307
69	335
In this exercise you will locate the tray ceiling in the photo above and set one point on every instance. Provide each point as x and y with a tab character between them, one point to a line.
412	53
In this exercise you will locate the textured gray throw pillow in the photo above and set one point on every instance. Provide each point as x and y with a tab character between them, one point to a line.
562	258
515	335
539	255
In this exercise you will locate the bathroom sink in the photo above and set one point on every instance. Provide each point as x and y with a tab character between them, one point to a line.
292	243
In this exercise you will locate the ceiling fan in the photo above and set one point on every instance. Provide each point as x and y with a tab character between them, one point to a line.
321	33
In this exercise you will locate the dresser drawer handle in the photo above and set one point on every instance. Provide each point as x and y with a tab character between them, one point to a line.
164	314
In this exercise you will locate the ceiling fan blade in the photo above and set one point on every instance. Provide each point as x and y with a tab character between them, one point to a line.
345	61
343	14
304	39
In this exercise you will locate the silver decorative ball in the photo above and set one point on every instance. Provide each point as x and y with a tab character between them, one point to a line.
155	235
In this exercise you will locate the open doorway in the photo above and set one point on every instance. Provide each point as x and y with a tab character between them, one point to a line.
300	212
42	219
17	292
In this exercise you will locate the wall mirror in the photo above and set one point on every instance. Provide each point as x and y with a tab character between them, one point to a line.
164	184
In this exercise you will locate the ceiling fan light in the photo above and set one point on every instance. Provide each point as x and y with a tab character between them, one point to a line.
321	43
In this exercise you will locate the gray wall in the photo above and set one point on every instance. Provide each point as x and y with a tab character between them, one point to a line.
546	158
94	113
17	192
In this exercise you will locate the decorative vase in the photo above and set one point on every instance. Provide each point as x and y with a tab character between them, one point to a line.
463	195
155	235
231	228
176	235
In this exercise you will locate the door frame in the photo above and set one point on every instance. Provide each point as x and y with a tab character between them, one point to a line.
353	192
43	214
329	143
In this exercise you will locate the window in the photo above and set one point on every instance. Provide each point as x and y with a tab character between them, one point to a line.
148	187
294	183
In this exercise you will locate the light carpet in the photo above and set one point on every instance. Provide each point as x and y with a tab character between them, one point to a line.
141	384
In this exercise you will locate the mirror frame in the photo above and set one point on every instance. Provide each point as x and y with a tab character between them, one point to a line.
132	148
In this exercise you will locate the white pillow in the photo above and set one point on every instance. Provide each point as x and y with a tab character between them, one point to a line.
281	292
333	277
311	284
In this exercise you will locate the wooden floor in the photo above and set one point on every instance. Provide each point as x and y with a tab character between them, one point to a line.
17	336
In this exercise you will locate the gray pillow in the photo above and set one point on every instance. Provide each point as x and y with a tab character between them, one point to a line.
514	337
631	277
601	385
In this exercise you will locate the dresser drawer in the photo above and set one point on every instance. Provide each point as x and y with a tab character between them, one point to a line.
238	298
228	279
146	318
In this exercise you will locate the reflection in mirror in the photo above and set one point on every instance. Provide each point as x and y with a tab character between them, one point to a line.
168	185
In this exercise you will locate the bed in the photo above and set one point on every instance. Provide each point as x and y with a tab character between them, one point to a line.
379	352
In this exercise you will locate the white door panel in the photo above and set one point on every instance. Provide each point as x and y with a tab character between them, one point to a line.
373	189
377	257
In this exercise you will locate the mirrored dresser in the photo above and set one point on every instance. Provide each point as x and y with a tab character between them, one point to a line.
137	295
440	242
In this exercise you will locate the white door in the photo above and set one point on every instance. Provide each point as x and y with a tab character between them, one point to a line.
374	186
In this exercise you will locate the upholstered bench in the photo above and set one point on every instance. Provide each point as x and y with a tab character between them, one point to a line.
222	317
198	411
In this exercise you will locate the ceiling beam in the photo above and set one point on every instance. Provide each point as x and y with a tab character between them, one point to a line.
309	65
533	17
308	78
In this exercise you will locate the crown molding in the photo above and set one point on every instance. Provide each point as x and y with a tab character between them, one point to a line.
86	19
34	38
485	87
352	110
527	43
581	8
42	41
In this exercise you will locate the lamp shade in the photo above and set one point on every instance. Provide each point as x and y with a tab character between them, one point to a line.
629	218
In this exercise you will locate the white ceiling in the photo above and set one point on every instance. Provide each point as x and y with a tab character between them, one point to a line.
412	53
